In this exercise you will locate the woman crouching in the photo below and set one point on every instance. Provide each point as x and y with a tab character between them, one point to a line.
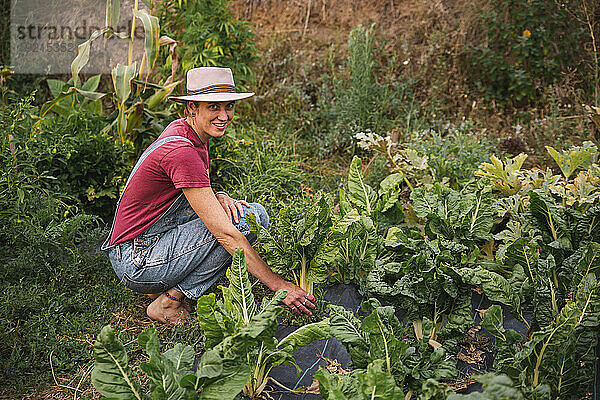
172	236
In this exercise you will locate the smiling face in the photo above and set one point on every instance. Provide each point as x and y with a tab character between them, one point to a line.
210	119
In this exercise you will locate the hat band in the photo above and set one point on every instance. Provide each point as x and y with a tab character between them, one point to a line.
219	88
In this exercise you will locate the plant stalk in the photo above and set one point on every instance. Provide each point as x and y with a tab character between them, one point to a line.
130	56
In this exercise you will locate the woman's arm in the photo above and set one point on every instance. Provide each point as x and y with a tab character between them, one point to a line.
212	214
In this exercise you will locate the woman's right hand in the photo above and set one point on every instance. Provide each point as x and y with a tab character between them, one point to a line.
298	300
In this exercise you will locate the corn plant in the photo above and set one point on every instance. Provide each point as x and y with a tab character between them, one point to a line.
130	111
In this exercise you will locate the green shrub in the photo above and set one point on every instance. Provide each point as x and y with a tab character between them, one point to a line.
73	158
527	45
248	164
210	36
54	284
362	102
454	152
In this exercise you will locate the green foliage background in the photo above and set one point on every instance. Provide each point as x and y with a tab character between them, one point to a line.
295	138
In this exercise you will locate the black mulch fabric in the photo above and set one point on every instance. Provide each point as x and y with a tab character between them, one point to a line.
306	357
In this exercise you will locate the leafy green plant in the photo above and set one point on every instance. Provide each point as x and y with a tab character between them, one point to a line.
76	160
495	386
129	114
363	208
527	45
574	158
453	151
428	271
221	373
78	101
362	103
559	358
451	154
303	243
504	175
362	384
241	349
380	341
212	36
237	312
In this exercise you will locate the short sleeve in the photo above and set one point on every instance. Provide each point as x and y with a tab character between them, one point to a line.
186	168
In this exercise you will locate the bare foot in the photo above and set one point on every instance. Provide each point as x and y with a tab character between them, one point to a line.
153	296
165	310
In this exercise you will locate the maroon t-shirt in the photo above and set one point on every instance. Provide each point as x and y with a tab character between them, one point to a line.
159	180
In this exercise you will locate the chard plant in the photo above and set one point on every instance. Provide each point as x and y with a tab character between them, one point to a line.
545	253
368	211
361	384
303	243
429	270
558	360
494	385
379	345
237	312
222	372
580	192
380	206
240	343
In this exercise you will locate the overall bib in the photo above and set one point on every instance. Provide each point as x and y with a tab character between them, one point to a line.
177	251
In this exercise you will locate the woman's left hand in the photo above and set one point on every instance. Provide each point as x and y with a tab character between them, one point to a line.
233	208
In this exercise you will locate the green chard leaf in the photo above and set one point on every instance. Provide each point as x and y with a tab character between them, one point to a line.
208	317
574	158
112	375
459	318
389	191
274	251
165	370
337	387
376	384
347	328
495	287
505	339
361	195
559	355
305	335
545	216
238	295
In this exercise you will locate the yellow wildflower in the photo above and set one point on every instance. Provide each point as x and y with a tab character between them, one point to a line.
526	33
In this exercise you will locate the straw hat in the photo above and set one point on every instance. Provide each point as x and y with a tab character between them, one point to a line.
210	84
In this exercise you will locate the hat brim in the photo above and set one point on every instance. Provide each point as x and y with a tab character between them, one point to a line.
212	97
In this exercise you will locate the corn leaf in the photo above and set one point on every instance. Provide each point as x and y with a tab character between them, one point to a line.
83	54
113	13
152	35
121	77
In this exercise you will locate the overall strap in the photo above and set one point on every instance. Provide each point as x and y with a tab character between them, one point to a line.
144	155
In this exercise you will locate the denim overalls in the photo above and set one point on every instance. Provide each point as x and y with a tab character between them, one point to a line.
177	250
